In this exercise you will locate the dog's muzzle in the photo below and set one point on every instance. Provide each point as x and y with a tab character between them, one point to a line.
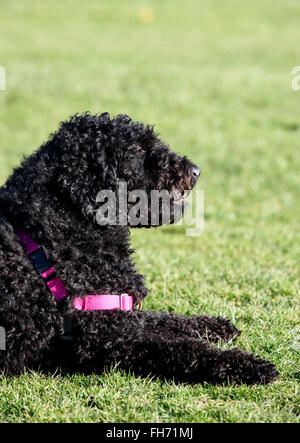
195	175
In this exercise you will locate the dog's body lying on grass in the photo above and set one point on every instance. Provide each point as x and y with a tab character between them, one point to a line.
51	197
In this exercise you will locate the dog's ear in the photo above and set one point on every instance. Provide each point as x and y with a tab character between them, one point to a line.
80	150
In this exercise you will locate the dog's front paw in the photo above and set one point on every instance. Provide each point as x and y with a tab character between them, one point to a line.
241	367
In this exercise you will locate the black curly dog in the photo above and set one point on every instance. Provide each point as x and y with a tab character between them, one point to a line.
52	198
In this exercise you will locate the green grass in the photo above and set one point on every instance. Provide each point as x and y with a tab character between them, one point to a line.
216	79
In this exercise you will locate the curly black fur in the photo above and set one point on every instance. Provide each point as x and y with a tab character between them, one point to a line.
52	197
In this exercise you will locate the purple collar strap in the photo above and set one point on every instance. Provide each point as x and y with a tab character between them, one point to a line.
58	289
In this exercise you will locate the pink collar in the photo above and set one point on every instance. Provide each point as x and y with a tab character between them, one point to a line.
58	289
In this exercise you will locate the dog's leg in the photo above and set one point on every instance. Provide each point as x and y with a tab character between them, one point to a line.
190	360
125	338
213	329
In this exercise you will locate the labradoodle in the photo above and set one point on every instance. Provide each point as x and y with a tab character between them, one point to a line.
70	295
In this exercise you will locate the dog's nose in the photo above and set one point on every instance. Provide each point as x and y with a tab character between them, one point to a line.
196	172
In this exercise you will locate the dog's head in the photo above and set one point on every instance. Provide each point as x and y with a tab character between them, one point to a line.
97	153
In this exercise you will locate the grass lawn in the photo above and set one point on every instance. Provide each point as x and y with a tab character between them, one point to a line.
215	77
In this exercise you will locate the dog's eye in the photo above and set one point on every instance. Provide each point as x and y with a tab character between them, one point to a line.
152	164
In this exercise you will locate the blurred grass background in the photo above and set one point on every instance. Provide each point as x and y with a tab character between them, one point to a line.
215	78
